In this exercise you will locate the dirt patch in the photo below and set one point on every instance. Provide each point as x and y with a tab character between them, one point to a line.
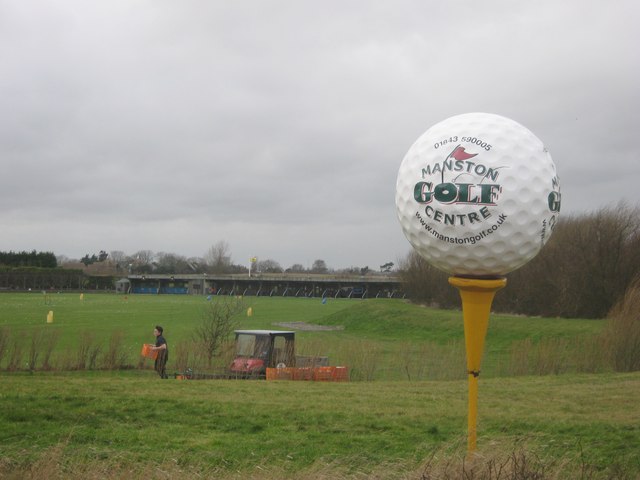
308	326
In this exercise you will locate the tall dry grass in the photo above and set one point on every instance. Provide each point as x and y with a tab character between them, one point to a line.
4	341
363	359
513	462
371	360
448	462
182	355
192	354
116	356
35	347
617	348
367	360
555	356
429	361
87	352
50	342
16	345
622	332
590	354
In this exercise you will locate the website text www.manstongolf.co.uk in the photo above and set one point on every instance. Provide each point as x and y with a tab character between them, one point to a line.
473	239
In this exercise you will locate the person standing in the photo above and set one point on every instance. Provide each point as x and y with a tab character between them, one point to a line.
163	352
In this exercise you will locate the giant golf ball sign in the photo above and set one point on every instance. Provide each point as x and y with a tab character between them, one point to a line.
477	195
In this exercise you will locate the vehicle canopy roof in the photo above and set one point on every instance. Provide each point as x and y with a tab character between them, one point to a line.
284	333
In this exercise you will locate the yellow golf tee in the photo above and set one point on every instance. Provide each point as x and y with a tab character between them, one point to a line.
477	296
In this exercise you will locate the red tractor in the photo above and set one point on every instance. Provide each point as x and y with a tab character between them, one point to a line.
257	350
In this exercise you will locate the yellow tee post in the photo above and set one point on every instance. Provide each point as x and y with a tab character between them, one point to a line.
477	295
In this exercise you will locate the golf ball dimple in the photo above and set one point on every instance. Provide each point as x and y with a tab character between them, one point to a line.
477	195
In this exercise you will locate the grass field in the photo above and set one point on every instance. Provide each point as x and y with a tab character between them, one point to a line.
379	339
93	425
408	423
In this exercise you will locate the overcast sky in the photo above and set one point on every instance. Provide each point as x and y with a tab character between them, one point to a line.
279	126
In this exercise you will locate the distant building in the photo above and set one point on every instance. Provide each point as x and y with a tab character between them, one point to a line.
277	284
123	285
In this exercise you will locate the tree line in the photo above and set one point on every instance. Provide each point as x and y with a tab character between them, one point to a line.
44	271
28	259
217	260
585	268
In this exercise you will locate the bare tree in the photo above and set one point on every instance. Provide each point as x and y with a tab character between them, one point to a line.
218	258
144	256
218	322
171	263
319	266
62	259
142	261
425	283
268	266
119	258
352	270
582	271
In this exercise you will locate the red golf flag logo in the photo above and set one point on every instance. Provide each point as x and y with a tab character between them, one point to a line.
460	154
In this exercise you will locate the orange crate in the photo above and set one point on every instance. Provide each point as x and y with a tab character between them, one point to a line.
317	374
341	374
280	373
303	373
323	374
147	352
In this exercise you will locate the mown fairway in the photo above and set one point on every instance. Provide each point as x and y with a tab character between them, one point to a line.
130	424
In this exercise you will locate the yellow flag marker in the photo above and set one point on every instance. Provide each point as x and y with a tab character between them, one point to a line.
50	316
249	312
82	296
477	297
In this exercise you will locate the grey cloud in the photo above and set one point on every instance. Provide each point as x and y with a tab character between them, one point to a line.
172	125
